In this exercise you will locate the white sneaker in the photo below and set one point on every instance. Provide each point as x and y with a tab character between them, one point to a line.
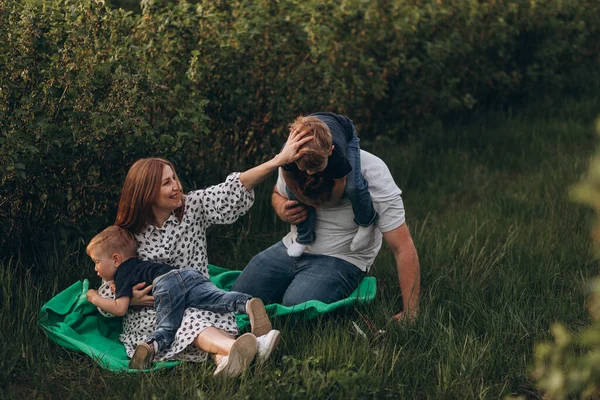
296	249
363	237
266	344
240	356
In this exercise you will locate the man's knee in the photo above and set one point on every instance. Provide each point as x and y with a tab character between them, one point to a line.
244	281
292	300
293	297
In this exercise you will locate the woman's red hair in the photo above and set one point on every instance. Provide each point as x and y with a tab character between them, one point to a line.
139	193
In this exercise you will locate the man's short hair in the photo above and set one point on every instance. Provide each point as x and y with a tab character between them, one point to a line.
317	188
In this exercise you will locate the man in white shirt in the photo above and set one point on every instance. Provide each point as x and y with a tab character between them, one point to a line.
328	270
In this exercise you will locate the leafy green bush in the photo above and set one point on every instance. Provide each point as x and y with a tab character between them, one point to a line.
82	96
86	89
570	364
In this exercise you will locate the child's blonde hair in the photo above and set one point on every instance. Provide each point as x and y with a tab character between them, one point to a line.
113	239
317	150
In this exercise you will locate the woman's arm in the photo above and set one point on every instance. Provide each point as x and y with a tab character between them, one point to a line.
116	307
141	296
290	153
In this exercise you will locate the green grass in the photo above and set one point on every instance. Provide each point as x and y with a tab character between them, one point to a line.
503	252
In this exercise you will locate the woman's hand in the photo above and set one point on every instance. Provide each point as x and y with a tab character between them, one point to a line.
293	147
290	153
141	297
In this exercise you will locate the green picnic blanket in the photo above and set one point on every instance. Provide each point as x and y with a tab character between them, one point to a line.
75	324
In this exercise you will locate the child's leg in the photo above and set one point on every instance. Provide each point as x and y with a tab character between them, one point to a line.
169	302
357	188
205	295
305	230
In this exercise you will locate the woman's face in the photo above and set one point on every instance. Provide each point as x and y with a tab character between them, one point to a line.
170	196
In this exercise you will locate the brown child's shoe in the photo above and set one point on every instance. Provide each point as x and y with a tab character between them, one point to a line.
259	320
143	356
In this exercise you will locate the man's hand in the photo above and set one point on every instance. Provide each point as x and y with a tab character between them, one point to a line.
292	212
408	316
91	295
141	297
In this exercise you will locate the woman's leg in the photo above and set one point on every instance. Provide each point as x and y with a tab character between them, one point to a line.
214	341
231	355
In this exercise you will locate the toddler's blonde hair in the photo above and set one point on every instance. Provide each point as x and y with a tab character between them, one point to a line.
317	150
113	239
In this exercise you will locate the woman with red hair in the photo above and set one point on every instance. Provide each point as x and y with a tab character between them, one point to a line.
170	228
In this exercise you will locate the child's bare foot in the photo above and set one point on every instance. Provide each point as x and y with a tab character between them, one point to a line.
296	249
240	356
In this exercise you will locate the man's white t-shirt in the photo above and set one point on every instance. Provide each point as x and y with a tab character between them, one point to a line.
335	227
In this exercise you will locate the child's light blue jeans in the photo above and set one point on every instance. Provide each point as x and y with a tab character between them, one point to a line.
184	288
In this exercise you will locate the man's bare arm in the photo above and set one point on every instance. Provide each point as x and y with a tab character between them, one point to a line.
409	272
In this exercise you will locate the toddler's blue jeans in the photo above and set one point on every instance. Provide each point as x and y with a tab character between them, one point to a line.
184	288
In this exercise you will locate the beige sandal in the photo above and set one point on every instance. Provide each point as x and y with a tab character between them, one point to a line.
240	356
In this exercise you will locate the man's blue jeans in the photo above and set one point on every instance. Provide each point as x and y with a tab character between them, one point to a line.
275	277
184	288
357	190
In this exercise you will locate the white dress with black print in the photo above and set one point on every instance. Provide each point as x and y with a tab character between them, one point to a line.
184	245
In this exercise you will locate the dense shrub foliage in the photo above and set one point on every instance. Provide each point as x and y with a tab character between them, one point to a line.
569	365
86	89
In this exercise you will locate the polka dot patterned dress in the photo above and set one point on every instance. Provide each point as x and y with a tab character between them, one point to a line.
183	244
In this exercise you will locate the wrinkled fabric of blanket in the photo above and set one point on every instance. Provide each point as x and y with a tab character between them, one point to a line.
72	322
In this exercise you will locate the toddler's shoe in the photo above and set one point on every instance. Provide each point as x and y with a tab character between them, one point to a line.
363	237
240	356
143	356
296	249
266	344
259	320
